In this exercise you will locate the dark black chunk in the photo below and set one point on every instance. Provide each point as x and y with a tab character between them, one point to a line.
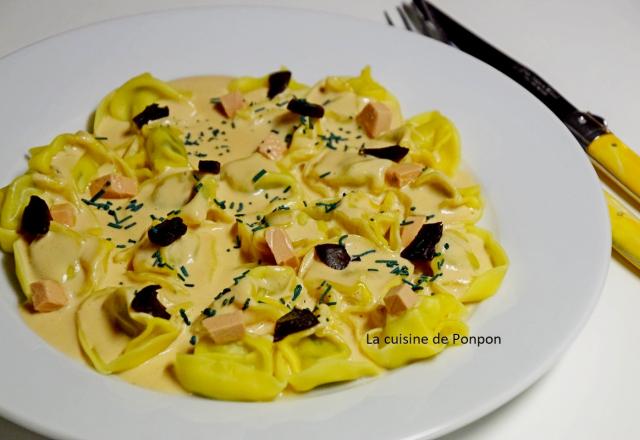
333	255
293	322
394	152
278	82
36	218
423	247
209	166
165	233
150	113
305	108
146	301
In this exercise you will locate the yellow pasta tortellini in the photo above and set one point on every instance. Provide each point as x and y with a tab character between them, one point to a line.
455	205
473	264
360	213
433	141
241	370
77	157
137	337
133	97
164	265
15	197
165	148
440	314
317	357
80	265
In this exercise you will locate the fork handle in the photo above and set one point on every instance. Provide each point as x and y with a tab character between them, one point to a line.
625	230
618	161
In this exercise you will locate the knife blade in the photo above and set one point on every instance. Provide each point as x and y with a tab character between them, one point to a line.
606	150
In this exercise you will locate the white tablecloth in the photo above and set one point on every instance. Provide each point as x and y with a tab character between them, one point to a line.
588	49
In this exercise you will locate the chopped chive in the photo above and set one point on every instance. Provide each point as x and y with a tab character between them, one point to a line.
193	340
322	176
296	292
209	312
342	239
96	196
414	287
388	263
259	175
328	207
241	276
223	292
130	225
358	257
326	290
185	318
245	306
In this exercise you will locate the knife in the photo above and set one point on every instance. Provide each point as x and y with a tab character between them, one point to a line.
607	152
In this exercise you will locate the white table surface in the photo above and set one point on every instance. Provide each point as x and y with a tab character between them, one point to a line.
590	50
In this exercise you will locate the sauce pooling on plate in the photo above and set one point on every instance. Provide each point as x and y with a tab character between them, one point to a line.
238	238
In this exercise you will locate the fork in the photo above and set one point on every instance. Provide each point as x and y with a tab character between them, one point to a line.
417	17
625	225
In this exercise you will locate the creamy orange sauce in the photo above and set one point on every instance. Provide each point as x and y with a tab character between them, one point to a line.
209	253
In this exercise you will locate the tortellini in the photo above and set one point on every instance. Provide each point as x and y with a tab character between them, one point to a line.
133	97
240	248
439	314
81	261
239	371
137	338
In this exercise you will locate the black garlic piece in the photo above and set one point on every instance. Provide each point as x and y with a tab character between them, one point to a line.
393	152
36	218
165	233
150	113
423	247
146	301
278	83
333	255
209	166
305	108
295	321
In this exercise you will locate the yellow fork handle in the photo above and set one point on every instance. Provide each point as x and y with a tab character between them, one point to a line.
618	161
625	230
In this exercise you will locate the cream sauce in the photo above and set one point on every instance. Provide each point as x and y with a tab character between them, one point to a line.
209	253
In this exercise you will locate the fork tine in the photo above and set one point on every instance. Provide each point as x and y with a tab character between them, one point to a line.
415	18
405	19
388	18
431	26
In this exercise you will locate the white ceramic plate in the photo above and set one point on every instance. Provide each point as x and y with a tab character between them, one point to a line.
543	199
